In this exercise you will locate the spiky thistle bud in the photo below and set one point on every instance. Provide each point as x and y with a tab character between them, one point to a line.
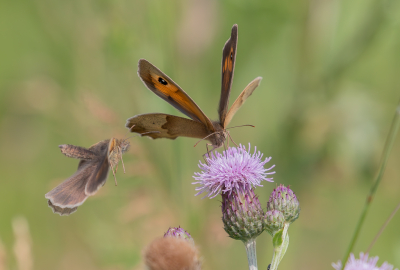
284	200
179	233
273	221
242	215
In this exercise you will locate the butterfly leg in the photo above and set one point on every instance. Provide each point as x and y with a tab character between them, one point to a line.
122	161
115	178
225	145
206	154
208	151
123	166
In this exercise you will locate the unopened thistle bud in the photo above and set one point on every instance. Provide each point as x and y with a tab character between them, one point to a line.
273	221
242	215
284	200
179	233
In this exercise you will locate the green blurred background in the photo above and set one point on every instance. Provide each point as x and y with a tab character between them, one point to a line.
330	87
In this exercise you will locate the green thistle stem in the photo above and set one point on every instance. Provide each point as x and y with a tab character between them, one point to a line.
250	247
281	243
386	151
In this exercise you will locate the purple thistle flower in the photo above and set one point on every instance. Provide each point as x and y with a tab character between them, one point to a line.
236	168
362	264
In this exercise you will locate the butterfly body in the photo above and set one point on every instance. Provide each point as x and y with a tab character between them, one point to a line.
220	136
90	176
199	125
115	150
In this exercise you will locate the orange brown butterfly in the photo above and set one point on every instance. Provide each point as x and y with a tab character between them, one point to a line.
199	126
91	175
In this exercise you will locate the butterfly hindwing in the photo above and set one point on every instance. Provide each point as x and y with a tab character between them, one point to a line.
71	192
241	99
61	211
169	126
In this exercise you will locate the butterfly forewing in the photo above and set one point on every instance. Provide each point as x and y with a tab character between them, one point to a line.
97	149
228	67
78	152
167	89
98	177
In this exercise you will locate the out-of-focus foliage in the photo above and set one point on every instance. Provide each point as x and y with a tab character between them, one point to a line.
330	86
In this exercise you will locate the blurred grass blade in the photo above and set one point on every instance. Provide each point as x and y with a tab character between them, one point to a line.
383	227
386	151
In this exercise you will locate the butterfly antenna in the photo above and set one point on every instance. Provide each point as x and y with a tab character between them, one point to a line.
241	126
206	137
130	130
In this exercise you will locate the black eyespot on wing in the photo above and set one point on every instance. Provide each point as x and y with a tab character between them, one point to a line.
162	81
231	55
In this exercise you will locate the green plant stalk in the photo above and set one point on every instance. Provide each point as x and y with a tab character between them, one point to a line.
250	247
386	151
280	247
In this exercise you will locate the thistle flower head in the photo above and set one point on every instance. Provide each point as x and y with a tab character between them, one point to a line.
179	233
362	264
242	214
273	221
236	168
284	200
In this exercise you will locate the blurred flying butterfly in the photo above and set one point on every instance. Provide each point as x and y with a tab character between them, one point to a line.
170	126
91	175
